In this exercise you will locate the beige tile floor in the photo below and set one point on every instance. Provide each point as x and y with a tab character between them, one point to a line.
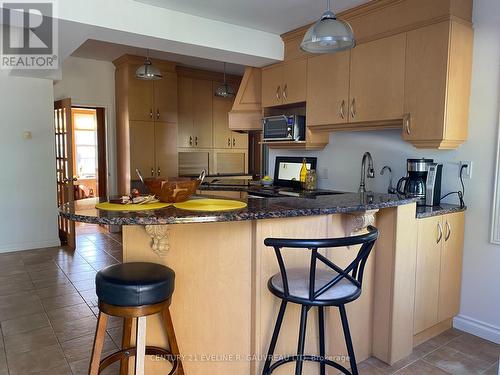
48	316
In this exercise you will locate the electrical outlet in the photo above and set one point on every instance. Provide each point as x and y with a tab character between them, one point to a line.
467	171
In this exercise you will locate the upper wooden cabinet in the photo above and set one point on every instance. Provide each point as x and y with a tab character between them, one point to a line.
437	88
284	83
377	80
439	269
328	89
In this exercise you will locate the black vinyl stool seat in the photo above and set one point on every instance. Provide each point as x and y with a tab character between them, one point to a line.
134	284
315	286
134	291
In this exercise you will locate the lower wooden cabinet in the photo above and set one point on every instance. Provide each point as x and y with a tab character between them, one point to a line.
438	270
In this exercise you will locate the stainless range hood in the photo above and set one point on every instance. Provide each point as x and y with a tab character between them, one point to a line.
246	114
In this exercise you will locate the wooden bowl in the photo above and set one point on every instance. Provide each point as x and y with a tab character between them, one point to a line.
172	190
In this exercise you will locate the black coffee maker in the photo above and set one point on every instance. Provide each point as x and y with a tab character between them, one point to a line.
423	181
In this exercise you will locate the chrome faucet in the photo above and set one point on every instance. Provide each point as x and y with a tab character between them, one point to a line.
370	173
390	189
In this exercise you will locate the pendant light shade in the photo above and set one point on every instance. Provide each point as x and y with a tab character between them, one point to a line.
225	90
329	34
148	71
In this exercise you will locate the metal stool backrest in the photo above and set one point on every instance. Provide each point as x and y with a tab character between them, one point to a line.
353	272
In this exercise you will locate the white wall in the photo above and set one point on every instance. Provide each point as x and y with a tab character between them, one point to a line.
27	179
92	83
480	307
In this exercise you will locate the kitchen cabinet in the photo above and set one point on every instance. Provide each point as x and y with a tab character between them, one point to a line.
377	80
328	89
284	83
223	136
195	112
146	122
437	88
438	269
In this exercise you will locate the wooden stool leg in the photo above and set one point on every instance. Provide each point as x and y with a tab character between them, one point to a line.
172	341
126	343
140	343
100	335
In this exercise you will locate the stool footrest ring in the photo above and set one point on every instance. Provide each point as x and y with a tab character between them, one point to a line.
308	358
130	352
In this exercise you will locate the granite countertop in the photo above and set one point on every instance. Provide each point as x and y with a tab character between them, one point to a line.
443	209
258	208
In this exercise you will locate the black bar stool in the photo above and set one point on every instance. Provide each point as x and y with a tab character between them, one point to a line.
320	287
134	291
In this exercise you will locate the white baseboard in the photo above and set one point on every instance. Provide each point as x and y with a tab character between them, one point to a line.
477	328
7	248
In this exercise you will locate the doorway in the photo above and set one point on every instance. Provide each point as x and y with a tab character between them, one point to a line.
89	152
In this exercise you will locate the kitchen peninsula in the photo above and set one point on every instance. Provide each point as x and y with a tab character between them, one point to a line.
222	311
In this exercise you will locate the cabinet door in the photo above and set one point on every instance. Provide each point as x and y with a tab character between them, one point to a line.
165	98
240	140
140	97
377	80
166	149
142	148
429	240
272	86
328	89
221	108
202	113
425	86
185	112
451	266
295	81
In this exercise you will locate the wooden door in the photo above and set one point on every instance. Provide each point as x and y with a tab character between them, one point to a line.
425	83
140	97
221	107
142	152
294	81
63	130
429	242
272	85
240	140
328	89
185	137
377	80
166	149
202	113
165	98
451	266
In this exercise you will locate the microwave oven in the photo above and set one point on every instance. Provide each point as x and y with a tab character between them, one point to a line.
284	128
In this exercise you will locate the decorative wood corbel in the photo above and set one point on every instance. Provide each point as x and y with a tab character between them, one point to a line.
357	221
159	235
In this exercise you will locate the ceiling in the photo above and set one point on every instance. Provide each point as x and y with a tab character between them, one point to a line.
99	50
274	16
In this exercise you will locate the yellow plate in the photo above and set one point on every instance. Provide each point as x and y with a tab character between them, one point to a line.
210	205
106	206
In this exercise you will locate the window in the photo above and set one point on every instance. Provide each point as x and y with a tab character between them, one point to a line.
85	142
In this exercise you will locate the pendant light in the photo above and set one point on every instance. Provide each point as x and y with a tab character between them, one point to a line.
225	90
147	71
328	34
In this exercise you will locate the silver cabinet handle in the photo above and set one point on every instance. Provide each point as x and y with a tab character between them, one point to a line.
190	140
342	109
196	141
285	94
353	108
229	141
157	114
278	93
234	142
158	171
152	172
440	233
448	232
407	123
150	113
